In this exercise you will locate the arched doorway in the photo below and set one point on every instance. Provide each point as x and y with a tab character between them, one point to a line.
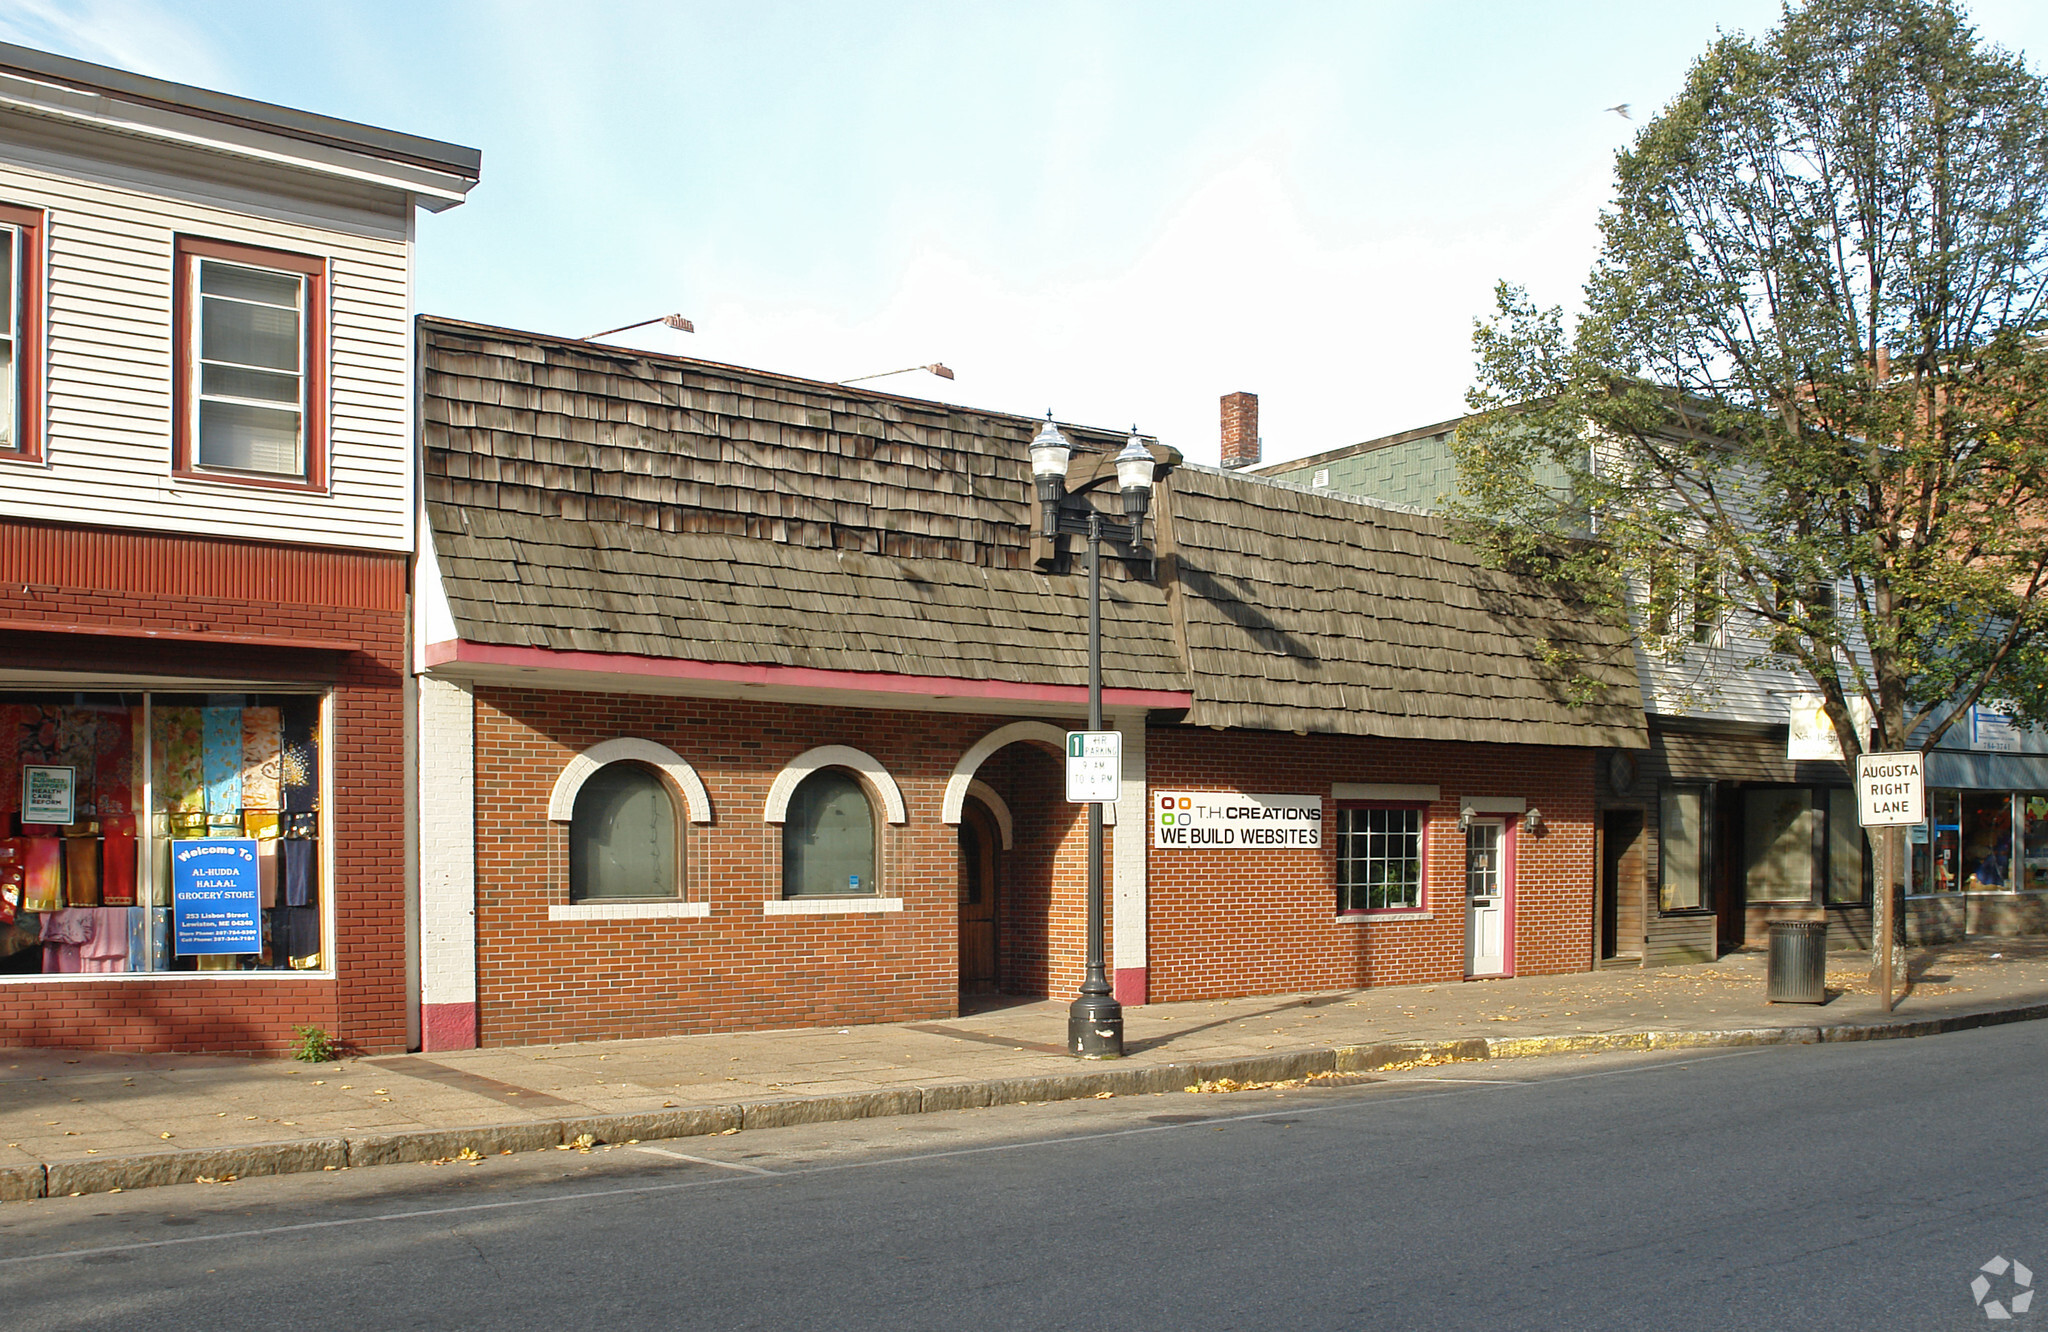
980	886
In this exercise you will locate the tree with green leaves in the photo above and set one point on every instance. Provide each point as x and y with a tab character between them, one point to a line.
1809	386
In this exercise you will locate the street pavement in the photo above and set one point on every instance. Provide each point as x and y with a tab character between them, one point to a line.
81	1122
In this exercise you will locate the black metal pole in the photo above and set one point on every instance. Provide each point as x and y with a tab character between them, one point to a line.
1095	1021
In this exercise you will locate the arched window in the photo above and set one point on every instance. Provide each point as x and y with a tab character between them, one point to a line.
622	836
828	837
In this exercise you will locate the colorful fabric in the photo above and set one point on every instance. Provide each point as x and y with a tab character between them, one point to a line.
222	760
10	765
13	877
117	864
113	763
138	938
262	758
64	935
82	871
266	873
160	937
107	950
299	760
179	748
78	748
43	888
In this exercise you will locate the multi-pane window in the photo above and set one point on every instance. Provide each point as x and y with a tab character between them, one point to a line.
252	369
828	837
251	379
20	331
1379	858
622	836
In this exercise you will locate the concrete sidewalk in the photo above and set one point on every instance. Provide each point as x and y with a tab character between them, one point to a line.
74	1122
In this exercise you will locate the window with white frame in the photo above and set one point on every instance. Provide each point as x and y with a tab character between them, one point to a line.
21	232
252	383
1379	858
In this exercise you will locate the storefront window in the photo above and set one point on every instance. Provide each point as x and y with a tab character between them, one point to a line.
160	832
1777	840
2034	811
1845	848
1936	853
1681	846
1986	841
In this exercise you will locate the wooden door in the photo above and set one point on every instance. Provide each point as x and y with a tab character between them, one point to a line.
1621	884
979	843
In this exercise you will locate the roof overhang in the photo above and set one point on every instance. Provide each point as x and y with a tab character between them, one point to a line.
436	175
607	672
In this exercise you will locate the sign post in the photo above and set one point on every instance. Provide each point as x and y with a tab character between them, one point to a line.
1095	767
1891	792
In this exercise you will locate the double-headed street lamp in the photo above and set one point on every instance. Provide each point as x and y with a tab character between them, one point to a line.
1095	1021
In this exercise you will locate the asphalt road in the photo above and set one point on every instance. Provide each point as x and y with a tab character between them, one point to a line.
1850	1186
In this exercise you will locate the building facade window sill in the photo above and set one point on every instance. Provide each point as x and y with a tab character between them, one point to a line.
629	911
1369	917
831	906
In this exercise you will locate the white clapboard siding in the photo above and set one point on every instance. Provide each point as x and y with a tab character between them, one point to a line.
108	356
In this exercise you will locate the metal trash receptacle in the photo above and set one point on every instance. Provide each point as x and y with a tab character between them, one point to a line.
1798	971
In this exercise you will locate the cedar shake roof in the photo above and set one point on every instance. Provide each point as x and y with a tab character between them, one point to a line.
1309	611
599	499
595	499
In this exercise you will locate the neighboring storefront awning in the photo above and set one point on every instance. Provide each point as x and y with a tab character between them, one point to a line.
1980	771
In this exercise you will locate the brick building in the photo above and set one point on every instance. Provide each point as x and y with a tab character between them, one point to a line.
743	699
205	551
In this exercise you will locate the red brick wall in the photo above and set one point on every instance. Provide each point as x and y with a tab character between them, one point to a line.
1264	921
540	980
133	581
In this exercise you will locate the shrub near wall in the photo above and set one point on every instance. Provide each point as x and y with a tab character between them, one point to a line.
1257	921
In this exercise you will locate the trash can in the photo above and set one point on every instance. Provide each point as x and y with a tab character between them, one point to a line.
1799	962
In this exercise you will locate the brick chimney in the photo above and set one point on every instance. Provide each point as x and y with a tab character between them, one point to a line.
1240	429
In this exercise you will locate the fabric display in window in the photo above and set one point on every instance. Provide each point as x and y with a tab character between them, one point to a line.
222	761
65	935
10	767
107	950
262	751
180	753
138	938
266	872
117	862
295	935
43	863
78	748
299	760
113	763
160	936
301	871
81	870
13	877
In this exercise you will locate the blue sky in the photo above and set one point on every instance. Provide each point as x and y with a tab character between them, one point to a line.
1118	212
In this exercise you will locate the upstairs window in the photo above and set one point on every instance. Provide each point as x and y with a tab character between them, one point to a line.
21	333
252	381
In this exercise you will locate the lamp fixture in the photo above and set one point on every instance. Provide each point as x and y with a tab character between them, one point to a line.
674	321
935	368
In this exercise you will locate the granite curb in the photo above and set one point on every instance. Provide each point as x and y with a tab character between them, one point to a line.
106	1174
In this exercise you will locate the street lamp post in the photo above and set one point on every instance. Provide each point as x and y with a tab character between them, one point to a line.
1095	1020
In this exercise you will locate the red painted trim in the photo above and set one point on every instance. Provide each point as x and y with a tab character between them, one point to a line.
787	677
447	1027
176	635
1130	984
28	336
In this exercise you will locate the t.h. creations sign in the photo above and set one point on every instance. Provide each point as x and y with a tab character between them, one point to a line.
1226	818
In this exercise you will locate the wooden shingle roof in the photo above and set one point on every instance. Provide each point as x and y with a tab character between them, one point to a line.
598	499
1308	611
